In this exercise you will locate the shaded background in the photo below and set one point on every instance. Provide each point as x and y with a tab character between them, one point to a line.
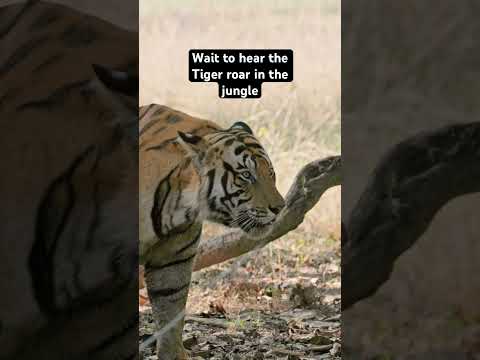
60	120
411	67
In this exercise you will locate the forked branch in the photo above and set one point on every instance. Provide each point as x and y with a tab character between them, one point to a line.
308	186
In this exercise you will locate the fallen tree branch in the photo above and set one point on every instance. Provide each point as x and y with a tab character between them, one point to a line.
409	186
208	321
307	188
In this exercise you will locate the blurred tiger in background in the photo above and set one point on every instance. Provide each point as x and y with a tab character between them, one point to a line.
192	170
69	185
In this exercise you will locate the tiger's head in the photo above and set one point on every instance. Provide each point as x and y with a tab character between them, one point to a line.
237	179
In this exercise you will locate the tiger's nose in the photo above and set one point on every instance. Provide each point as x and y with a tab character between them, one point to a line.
276	209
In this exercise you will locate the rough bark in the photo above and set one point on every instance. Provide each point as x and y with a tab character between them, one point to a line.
409	186
307	188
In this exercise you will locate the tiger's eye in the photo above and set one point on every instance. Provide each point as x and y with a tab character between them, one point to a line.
246	174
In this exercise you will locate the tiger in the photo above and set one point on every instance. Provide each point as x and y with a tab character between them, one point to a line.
192	170
69	185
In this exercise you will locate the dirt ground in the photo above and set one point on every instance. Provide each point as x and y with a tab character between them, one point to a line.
280	302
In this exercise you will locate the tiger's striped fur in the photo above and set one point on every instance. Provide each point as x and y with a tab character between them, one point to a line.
68	253
191	170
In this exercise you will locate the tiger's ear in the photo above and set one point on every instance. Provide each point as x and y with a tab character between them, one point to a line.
240	125
194	145
118	91
116	80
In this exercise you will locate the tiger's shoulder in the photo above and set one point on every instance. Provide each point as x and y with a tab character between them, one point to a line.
158	128
159	154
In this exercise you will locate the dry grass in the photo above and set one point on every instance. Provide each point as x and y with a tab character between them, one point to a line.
297	122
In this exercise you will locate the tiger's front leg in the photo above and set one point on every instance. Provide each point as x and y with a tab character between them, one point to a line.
168	274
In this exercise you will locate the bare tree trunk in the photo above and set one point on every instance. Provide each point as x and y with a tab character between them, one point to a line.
309	185
409	186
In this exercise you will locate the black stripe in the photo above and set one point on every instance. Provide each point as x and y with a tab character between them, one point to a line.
168	141
22	53
146	110
224	180
56	97
156	213
26	8
190	244
171	140
46	104
50	61
67	180
227	196
229	142
148	126
176	262
188	215
222	137
167	291
160	129
46	18
180	229
158	204
177	200
170	228
96	218
228	167
241	201
254	145
160	110
230	198
59	197
243	136
161	145
211	179
213	207
238	150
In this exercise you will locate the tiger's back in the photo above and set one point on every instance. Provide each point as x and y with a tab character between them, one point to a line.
159	126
